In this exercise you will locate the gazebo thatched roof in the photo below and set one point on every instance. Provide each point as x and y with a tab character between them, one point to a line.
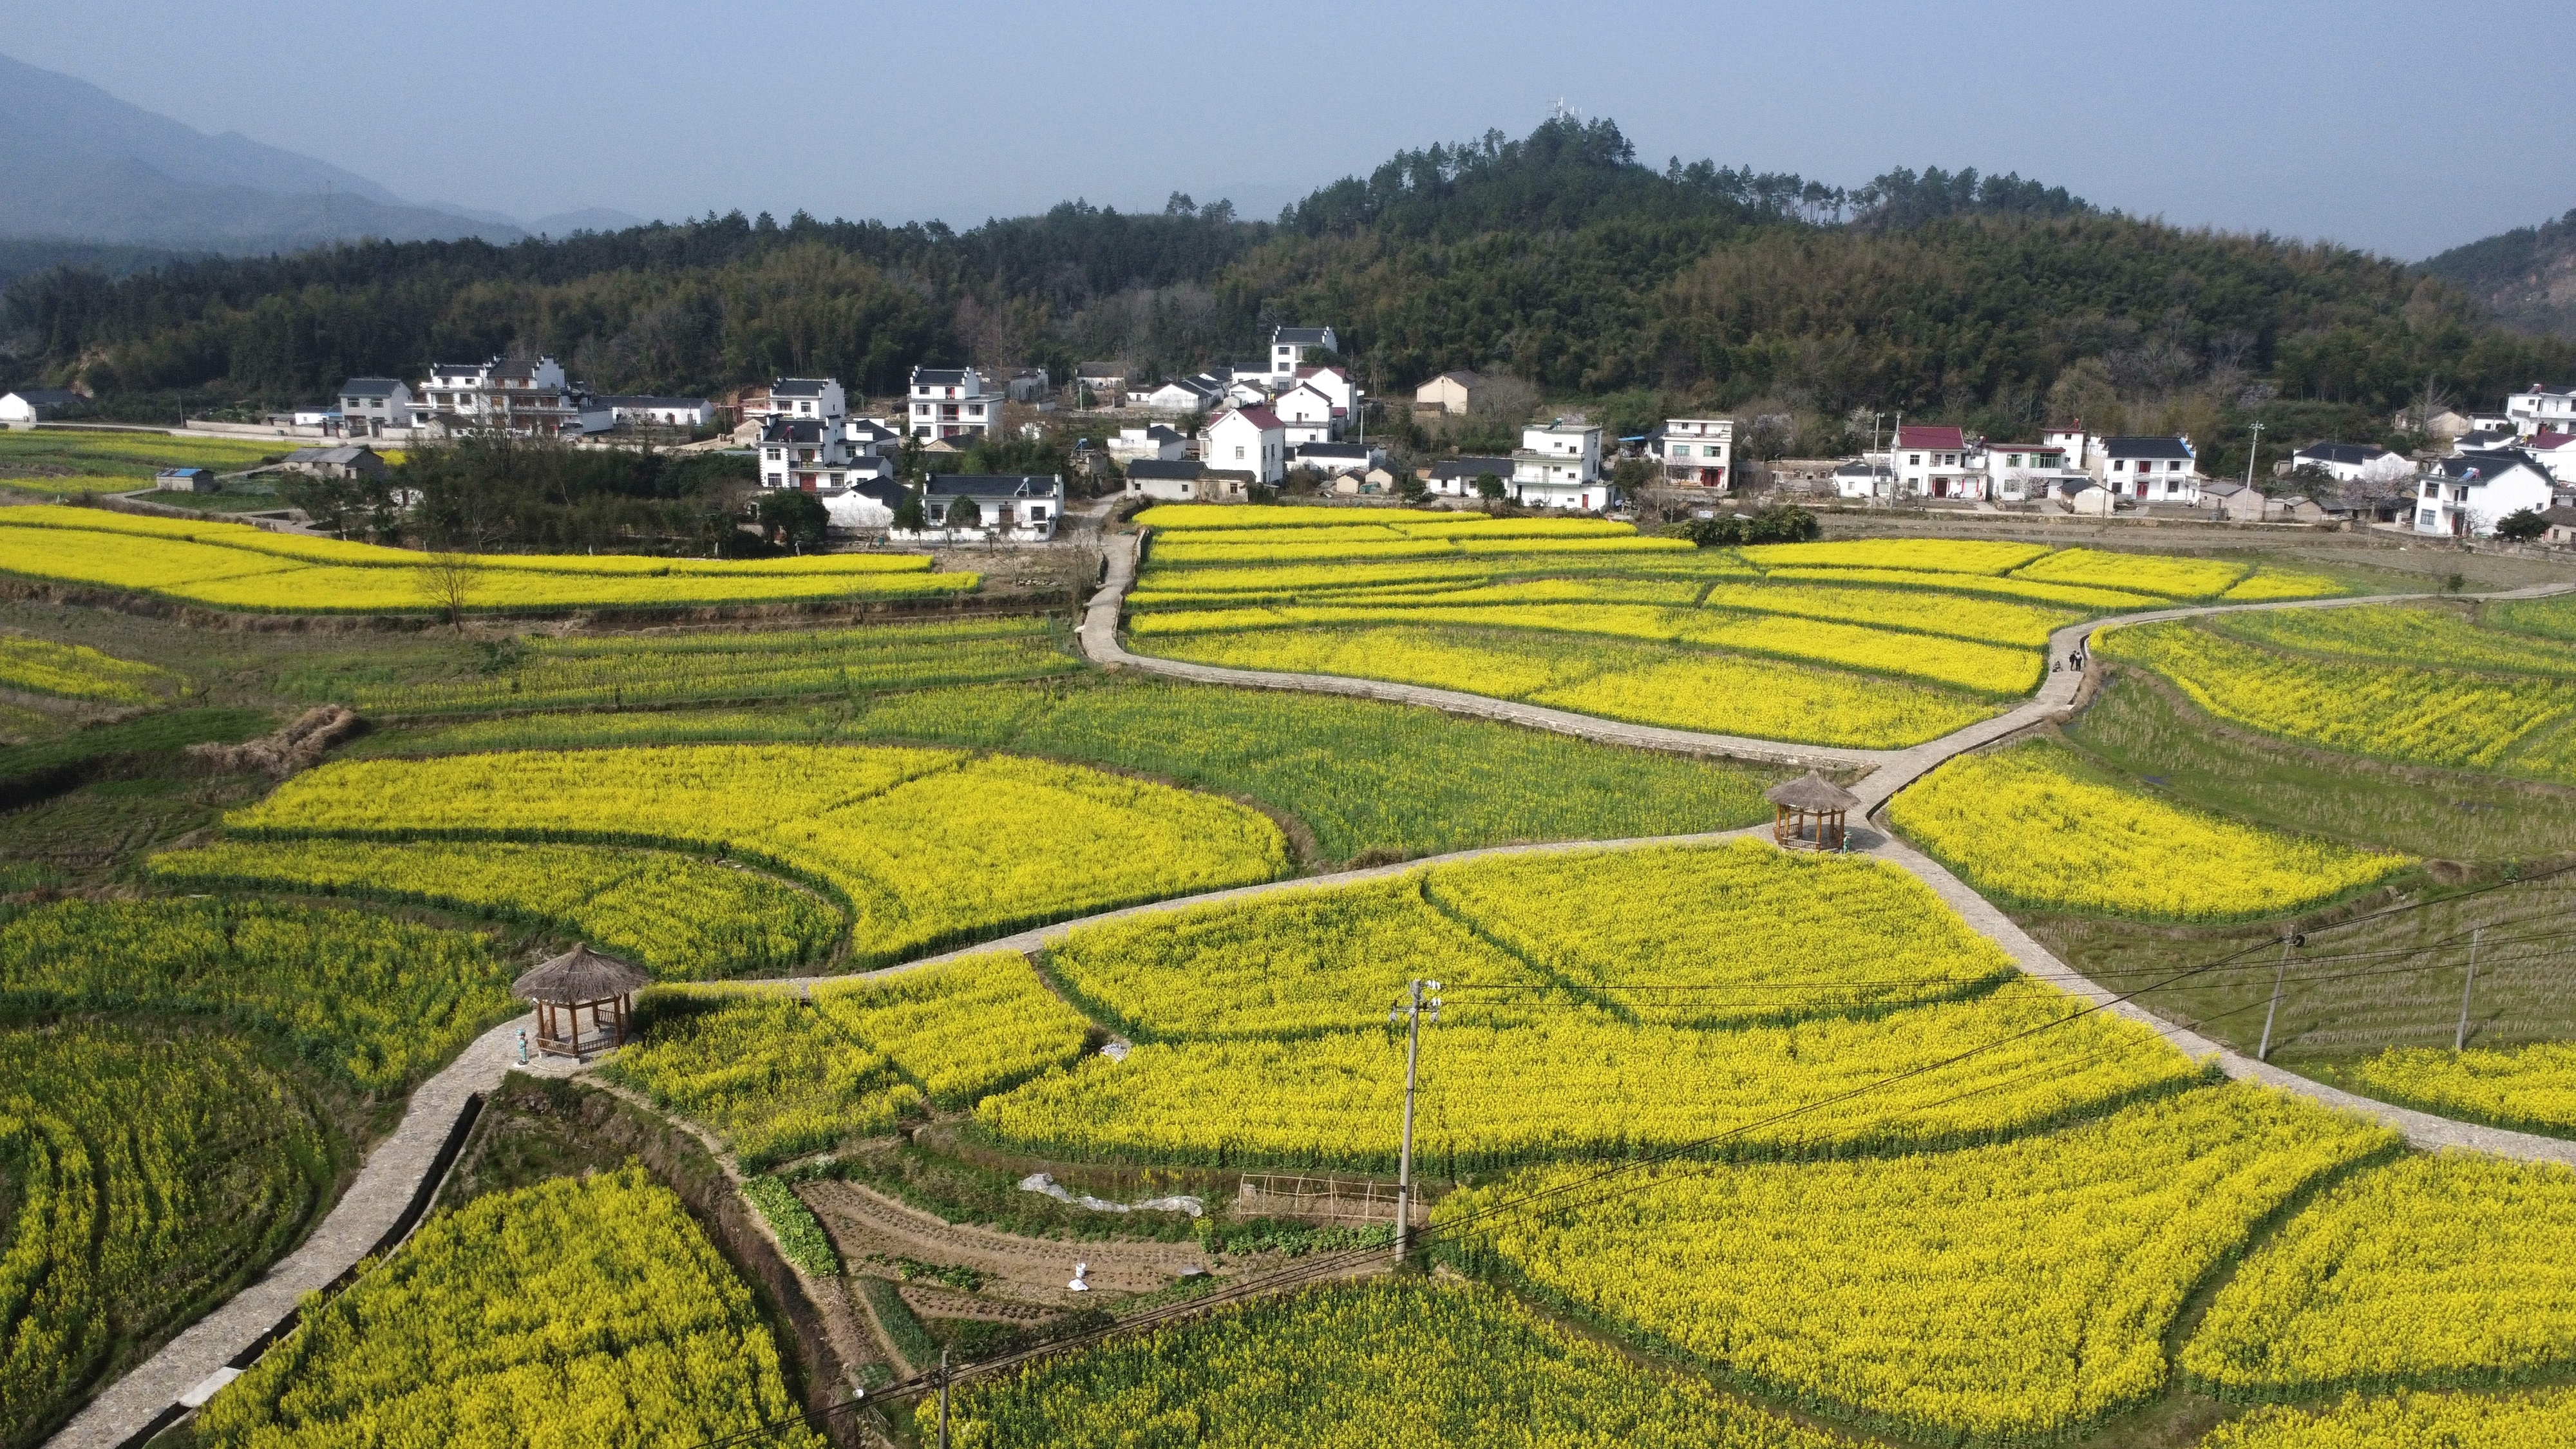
579	975
1811	791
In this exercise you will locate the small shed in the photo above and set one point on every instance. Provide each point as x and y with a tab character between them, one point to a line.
579	978
186	480
1807	812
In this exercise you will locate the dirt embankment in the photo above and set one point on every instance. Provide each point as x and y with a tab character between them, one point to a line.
1034	1271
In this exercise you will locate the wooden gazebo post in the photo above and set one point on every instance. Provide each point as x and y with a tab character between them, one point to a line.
1811	794
579	977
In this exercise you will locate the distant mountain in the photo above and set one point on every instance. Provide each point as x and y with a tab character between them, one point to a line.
587	218
84	166
2528	274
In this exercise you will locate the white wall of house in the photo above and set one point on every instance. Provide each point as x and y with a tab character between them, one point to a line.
951	403
1553	453
2536	408
1309	414
2470	508
1247	440
1698	450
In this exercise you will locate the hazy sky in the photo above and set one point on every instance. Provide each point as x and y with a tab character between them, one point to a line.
2401	128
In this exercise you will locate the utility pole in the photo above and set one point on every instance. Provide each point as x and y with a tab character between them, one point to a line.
2263	1053
1408	1009
2460	1040
943	1399
2252	454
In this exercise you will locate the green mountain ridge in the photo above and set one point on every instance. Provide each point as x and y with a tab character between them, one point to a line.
1559	257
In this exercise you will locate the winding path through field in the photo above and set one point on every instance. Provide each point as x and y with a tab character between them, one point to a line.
401	1164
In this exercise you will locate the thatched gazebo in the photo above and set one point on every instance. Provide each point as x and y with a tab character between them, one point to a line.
580	977
1809	798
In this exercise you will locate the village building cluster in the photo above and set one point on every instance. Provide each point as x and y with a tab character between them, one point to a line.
1235	433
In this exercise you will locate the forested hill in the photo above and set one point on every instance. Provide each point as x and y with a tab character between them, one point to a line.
2527	275
1559	257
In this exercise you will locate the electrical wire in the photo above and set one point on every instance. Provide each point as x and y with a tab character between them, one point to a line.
1553	1198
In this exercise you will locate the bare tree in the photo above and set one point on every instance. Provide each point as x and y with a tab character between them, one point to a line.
451	581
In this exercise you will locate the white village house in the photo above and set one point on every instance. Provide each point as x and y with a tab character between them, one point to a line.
2466	494
2027	472
370	406
1931	462
1155	441
2150	470
1173	480
2538	407
1250	441
1008	507
654	411
1309	415
1331	459
809	454
526	399
1289	346
1558	465
2342	462
29	406
1694	450
950	402
1457	477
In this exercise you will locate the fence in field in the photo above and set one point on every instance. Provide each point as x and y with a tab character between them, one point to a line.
1321	1199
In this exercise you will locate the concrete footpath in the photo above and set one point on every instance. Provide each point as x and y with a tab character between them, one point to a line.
393	1177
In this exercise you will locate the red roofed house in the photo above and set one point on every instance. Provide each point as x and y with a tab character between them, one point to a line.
2555	453
1248	444
1933	463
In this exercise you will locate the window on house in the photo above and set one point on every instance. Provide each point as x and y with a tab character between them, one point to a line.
2117	465
1914	460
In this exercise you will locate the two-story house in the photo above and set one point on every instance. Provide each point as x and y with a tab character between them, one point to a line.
1933	462
805	453
2150	470
2538	408
1309	414
950	402
2026	472
369	406
814	399
2466	494
503	395
1289	346
1248	441
1694	451
1558	465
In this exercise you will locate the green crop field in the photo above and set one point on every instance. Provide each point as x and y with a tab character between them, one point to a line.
1717	1144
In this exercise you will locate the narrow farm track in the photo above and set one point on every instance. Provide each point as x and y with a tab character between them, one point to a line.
385	1187
396	1171
1889	770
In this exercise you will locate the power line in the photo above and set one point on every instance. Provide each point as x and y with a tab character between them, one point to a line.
1334	1263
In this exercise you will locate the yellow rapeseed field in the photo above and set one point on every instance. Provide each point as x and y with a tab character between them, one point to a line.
236	566
925	847
2173	578
2532	1088
2422	715
2073	596
2013	1291
2418	634
1685	689
1552	1079
76	671
1921	555
2441	1269
2541	1419
2034	825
